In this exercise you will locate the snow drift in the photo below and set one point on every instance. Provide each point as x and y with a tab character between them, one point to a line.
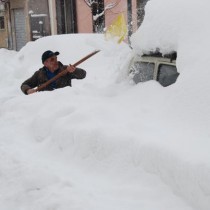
106	143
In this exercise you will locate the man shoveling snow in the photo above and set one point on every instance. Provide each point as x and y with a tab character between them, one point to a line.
52	67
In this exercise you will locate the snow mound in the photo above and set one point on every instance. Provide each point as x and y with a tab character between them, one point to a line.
105	143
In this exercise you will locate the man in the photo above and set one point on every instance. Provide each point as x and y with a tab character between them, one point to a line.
50	69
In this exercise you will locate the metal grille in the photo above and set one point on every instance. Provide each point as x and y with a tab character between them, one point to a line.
20	28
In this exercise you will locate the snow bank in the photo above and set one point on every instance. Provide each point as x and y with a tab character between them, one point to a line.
180	26
106	143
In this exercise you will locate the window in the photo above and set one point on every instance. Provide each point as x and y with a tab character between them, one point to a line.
2	23
143	71
167	75
66	16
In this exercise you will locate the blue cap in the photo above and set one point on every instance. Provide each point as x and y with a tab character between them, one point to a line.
48	54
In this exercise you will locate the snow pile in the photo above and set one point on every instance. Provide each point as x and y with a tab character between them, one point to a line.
106	143
180	26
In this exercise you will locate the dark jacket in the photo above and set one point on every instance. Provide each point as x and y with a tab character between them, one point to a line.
40	77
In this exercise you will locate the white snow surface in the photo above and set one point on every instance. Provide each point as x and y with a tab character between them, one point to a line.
105	143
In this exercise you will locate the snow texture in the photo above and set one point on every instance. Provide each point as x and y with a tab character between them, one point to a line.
106	143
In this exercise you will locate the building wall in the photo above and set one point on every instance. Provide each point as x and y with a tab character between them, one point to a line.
15	4
19	28
112	14
84	16
121	7
134	15
4	32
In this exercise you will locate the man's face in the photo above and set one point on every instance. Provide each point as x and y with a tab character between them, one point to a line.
52	63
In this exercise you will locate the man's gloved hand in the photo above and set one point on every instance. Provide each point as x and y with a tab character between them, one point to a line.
71	69
30	91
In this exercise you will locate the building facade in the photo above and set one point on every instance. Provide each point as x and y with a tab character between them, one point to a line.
4	21
22	21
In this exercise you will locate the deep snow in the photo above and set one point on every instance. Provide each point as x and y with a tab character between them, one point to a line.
106	143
